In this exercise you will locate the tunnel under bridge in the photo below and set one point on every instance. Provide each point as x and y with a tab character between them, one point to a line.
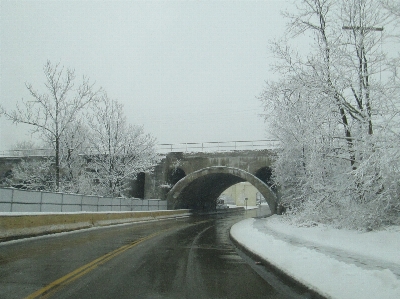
196	180
201	189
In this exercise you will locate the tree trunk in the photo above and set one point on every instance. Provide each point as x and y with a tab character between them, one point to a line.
57	164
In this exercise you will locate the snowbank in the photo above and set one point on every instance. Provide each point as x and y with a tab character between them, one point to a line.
335	263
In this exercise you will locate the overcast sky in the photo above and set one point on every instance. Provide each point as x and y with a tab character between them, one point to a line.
188	71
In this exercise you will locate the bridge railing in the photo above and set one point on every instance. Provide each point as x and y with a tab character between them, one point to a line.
218	146
212	146
39	152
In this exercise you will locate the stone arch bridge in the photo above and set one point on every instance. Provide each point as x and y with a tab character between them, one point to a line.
195	180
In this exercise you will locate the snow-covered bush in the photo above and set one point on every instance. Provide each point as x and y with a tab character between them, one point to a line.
34	174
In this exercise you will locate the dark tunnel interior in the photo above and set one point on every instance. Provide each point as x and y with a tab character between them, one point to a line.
202	193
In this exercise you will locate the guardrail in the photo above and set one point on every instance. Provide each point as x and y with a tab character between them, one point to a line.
212	146
218	146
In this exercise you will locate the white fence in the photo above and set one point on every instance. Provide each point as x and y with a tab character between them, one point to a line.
15	200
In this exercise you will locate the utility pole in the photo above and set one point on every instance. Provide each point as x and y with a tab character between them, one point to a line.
360	27
363	68
366	29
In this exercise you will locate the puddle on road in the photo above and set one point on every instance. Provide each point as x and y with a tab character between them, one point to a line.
232	258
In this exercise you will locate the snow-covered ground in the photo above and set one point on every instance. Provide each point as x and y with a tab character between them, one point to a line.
335	263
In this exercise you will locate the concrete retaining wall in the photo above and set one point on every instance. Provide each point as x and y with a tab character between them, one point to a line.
17	225
14	200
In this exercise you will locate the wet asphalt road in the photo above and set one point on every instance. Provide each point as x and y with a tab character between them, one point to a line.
185	258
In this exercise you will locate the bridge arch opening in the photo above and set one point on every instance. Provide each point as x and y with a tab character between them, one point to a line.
175	175
137	186
200	190
236	195
265	175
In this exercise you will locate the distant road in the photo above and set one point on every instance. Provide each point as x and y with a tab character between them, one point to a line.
188	258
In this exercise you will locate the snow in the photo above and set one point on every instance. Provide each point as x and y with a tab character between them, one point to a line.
335	263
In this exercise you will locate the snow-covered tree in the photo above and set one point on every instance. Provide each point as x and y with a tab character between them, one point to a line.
73	177
335	110
73	160
118	150
393	6
51	114
34	171
33	174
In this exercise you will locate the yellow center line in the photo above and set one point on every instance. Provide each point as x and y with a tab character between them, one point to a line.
70	277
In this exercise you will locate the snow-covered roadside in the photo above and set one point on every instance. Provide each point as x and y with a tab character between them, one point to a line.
382	245
330	276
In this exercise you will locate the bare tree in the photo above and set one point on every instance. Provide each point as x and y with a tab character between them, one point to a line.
51	114
119	151
392	6
73	157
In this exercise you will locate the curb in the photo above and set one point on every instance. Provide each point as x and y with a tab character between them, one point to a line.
277	271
